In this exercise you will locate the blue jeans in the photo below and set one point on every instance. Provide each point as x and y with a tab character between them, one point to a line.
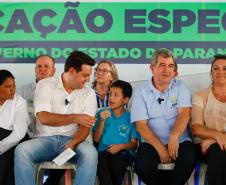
45	149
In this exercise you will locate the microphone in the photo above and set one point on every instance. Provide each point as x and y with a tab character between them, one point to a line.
66	101
160	100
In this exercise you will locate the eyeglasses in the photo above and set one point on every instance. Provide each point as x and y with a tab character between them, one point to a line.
104	71
220	56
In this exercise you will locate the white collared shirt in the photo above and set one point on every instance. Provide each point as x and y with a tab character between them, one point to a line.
13	116
50	96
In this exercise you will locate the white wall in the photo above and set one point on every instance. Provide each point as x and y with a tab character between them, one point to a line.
194	82
195	75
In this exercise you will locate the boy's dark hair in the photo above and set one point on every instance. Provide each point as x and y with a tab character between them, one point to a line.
76	59
125	86
4	74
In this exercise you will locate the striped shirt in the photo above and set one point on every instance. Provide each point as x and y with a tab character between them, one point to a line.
102	103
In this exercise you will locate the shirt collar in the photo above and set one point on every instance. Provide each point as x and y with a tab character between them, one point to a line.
60	85
60	82
99	94
152	88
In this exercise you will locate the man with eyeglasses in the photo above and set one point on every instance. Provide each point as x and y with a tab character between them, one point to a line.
161	111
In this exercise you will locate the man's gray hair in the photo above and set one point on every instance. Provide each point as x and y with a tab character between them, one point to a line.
166	53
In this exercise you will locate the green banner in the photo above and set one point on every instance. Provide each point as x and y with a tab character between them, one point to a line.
113	21
122	32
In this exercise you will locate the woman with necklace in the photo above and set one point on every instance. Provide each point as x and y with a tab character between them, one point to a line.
209	122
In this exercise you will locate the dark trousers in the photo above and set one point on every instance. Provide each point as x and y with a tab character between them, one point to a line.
54	176
111	168
7	167
147	160
215	158
7	161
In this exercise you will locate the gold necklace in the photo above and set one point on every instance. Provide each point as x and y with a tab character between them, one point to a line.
220	97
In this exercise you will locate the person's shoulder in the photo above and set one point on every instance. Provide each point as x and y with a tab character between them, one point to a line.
27	90
143	86
18	99
200	98
178	83
87	90
48	80
28	86
127	113
203	92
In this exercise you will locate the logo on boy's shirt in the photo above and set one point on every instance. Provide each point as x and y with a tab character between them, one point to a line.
123	130
173	100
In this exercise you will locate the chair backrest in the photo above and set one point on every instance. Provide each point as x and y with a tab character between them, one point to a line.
194	82
52	165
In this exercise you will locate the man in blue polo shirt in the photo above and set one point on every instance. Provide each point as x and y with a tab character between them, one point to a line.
161	112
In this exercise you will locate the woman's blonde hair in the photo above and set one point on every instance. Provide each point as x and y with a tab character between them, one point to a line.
112	69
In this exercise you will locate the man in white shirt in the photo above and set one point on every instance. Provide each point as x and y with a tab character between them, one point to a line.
65	111
44	68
